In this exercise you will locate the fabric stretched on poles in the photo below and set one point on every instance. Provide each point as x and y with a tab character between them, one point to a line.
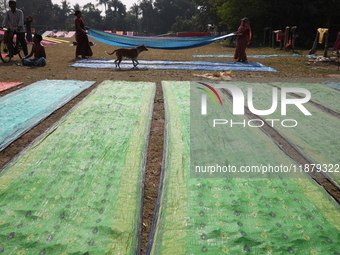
24	108
78	188
166	43
234	215
315	136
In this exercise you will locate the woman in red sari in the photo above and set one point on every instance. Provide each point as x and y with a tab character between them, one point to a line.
83	44
243	39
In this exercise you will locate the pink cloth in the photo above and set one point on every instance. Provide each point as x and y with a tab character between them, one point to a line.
7	85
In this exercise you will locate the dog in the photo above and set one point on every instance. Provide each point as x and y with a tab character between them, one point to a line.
128	53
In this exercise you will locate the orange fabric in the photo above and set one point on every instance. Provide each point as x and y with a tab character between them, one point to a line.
7	85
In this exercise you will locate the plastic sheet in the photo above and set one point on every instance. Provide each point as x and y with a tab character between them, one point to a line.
24	108
235	215
78	188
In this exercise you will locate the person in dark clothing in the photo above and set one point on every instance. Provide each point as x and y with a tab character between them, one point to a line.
14	21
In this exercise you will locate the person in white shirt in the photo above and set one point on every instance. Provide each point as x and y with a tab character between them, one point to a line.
14	21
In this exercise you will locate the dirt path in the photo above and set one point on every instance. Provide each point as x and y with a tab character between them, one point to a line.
61	56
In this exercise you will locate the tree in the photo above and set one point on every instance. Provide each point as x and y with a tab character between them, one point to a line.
147	20
184	24
132	17
41	12
230	13
167	11
64	15
307	15
207	12
76	7
3	6
118	7
115	15
103	2
92	16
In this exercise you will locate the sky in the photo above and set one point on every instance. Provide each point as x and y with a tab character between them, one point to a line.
127	3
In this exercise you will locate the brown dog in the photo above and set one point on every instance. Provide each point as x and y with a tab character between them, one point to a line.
128	53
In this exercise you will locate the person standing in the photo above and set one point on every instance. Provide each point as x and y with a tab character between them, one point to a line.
28	22
14	20
244	36
83	44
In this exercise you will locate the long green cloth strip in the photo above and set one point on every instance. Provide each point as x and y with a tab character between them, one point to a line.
236	215
23	109
321	94
315	136
78	188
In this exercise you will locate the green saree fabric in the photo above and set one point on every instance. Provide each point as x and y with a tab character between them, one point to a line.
315	136
235	215
78	188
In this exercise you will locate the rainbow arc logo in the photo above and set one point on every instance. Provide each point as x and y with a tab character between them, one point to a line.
208	91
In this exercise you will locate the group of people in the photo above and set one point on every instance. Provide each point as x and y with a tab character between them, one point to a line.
14	19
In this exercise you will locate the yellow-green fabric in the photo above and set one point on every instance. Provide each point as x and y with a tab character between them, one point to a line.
315	136
78	188
324	95
236	215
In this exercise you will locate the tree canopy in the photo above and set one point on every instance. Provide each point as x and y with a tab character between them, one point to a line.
163	16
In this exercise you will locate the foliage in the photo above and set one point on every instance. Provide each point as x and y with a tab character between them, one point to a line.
307	15
91	14
161	16
184	24
2	6
168	11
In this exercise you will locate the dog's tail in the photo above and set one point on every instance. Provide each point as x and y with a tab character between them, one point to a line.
110	53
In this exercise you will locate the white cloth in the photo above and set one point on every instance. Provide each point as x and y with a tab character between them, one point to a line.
13	20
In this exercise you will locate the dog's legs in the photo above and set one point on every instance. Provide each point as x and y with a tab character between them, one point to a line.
119	59
117	62
135	63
